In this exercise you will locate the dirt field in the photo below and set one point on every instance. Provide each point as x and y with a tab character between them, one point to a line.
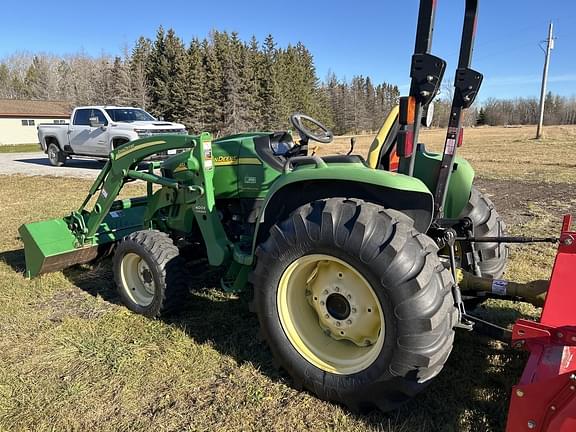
73	358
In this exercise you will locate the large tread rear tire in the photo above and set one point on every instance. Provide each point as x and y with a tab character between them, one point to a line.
487	223
169	282
403	269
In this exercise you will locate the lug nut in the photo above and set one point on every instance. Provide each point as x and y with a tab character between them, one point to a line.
531	424
338	323
349	297
519	393
337	289
349	322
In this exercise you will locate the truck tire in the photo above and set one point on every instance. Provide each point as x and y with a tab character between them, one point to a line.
487	223
148	272
55	155
354	303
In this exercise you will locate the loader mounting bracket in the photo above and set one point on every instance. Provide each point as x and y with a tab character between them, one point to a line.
426	72
467	84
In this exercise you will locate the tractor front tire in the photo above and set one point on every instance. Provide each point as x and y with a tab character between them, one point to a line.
55	155
149	273
354	303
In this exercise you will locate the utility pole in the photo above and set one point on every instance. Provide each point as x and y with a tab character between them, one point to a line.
549	47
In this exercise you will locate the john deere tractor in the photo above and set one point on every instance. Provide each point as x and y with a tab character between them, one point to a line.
355	263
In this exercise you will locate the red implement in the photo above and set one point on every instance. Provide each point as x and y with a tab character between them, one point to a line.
545	398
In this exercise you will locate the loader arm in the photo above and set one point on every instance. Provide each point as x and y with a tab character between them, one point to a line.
79	238
120	169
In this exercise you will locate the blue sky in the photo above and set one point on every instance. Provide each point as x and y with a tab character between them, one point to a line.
373	38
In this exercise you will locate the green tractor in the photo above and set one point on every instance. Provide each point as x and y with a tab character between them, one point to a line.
355	263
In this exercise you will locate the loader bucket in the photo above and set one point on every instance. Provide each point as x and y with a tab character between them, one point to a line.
51	245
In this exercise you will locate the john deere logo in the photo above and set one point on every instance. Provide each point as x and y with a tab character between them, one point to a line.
226	160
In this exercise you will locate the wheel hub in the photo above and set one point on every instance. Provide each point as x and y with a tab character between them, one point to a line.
330	313
338	307
137	279
346	309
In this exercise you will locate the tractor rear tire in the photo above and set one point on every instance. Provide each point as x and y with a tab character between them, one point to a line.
149	273
55	155
354	303
487	223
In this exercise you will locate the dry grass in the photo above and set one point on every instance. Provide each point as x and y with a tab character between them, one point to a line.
73	358
499	152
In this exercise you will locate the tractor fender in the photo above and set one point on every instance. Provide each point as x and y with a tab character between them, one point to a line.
391	190
460	185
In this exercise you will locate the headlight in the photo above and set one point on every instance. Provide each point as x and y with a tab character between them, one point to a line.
143	132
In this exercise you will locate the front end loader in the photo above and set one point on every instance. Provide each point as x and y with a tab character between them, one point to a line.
361	269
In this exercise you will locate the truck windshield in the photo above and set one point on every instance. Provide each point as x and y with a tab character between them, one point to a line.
129	115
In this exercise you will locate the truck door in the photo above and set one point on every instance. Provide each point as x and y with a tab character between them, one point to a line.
87	140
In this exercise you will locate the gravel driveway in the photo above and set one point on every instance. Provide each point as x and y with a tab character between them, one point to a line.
32	164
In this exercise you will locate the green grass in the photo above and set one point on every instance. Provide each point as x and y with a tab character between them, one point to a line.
19	148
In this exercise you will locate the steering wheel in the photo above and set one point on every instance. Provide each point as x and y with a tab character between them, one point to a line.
325	136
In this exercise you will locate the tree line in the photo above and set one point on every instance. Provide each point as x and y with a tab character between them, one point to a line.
223	84
220	84
558	110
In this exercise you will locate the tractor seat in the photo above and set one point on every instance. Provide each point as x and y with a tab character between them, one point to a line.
353	158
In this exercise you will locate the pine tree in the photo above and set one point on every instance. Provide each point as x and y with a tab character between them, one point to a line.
177	86
481	119
232	89
138	65
194	110
253	75
158	75
37	79
120	83
214	82
270	99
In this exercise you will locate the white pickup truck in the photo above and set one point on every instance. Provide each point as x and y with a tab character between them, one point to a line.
94	131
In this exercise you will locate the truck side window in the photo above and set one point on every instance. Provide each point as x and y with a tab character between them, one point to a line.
101	117
82	117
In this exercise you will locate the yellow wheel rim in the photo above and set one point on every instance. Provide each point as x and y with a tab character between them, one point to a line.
330	314
137	279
